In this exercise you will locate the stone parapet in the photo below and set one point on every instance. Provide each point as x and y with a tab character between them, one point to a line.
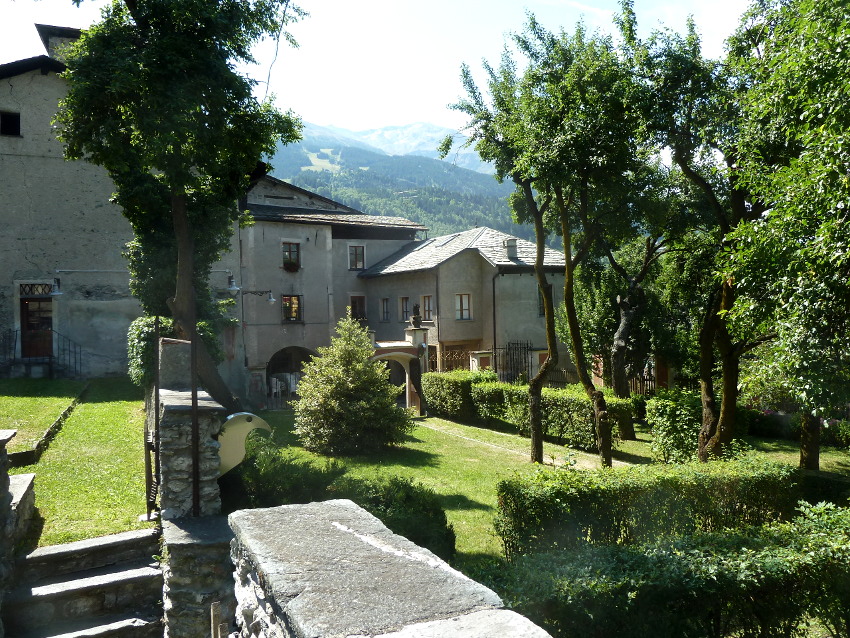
197	574
331	569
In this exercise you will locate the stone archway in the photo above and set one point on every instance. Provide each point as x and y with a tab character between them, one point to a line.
283	371
399	364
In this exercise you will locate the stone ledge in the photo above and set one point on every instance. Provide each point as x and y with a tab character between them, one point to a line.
181	401
299	566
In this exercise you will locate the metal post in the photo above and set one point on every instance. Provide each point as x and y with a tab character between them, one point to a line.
196	434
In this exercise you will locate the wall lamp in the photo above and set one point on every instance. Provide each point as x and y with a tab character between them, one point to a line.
55	289
260	293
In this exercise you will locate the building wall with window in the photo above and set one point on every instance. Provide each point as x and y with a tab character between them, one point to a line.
58	224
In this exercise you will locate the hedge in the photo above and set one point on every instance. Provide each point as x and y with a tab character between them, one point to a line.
447	394
767	581
636	504
476	397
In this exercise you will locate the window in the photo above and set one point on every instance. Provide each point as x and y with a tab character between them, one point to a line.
291	256
426	308
291	308
385	309
404	308
356	257
463	309
10	123
358	307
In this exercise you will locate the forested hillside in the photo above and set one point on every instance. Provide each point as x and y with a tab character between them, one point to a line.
437	194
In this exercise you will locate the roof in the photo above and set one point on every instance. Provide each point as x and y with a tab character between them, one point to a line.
47	31
298	215
489	243
41	63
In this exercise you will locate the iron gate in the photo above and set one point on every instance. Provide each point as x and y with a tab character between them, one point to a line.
514	361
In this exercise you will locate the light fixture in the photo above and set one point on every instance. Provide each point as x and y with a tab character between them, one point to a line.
231	284
55	290
260	293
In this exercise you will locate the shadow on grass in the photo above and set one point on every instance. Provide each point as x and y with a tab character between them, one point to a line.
40	387
108	390
29	542
628	457
462	502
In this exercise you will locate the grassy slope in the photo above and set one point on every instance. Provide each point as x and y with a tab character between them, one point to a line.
90	481
30	406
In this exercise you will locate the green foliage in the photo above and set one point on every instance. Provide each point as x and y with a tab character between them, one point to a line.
635	504
768	581
153	97
407	508
141	346
675	419
272	476
448	394
347	404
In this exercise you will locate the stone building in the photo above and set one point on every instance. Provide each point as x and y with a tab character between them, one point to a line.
292	274
61	235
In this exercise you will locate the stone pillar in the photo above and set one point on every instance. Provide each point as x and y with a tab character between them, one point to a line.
175	453
7	529
198	573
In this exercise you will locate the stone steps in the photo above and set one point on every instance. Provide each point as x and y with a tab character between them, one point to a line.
108	586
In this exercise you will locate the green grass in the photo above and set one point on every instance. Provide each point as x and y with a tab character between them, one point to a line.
30	406
461	464
90	481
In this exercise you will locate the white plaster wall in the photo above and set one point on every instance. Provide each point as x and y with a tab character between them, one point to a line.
411	285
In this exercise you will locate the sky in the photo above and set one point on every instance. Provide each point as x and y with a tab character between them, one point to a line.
365	64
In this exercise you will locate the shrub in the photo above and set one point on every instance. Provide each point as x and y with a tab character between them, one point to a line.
675	418
635	504
407	508
758	582
836	433
347	404
448	394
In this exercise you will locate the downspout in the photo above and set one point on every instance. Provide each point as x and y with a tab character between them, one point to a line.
493	284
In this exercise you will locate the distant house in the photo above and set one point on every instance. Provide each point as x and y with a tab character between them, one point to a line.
292	274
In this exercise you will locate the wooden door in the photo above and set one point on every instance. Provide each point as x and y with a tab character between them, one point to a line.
36	328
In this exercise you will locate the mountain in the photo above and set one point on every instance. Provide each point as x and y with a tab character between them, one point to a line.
418	139
352	168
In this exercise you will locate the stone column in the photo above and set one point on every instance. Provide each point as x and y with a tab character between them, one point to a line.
6	520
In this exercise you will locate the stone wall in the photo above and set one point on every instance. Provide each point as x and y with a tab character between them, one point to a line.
332	569
175	456
197	574
7	528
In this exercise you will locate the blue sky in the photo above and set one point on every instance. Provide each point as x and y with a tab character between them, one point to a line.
365	64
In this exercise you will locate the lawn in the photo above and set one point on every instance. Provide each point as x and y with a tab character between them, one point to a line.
91	480
30	406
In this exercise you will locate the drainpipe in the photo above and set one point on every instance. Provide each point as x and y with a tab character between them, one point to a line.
493	284
439	320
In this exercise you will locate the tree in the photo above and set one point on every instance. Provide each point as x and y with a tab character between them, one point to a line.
796	54
696	113
154	98
565	133
347	404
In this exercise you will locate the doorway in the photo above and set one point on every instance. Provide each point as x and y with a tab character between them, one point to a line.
36	327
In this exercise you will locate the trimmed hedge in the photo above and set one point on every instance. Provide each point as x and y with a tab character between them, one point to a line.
765	581
471	397
448	394
636	504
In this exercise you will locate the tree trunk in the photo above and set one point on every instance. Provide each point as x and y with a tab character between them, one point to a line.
602	427
809	441
619	377
535	385
710	417
182	305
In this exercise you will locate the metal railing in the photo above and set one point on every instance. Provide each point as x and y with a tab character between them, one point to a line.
62	355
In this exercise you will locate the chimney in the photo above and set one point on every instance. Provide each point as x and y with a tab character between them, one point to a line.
510	248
